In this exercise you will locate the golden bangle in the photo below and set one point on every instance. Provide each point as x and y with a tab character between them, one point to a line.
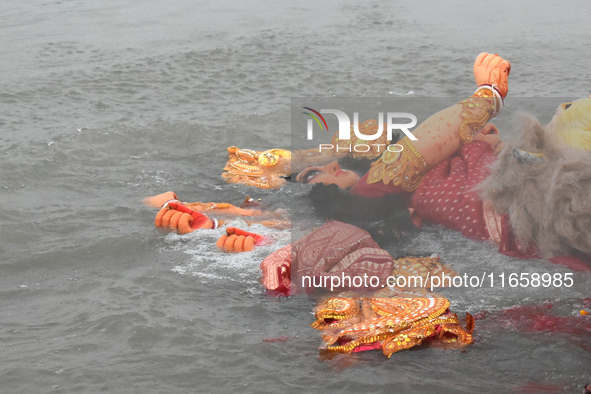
477	110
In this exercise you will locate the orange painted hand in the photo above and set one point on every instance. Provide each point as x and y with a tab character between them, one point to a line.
177	216
159	200
492	69
237	240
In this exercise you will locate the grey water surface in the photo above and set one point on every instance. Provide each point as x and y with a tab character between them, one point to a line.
104	103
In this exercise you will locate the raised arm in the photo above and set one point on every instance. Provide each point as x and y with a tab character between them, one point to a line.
442	134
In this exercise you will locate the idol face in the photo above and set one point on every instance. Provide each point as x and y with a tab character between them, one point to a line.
330	174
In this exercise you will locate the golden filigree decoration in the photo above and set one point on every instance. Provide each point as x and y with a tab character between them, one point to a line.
418	270
477	110
265	170
405	168
393	319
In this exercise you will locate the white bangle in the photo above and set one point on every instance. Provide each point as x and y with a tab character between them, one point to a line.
169	201
499	102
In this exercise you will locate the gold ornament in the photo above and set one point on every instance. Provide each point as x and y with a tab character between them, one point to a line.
265	170
393	319
405	168
477	110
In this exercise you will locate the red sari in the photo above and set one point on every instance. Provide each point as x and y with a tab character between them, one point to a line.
447	196
334	249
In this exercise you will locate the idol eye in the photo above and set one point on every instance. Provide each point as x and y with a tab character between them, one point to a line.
307	177
566	106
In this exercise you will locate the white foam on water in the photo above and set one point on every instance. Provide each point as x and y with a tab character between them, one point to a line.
206	262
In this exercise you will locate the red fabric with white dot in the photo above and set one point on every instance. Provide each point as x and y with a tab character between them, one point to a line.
446	196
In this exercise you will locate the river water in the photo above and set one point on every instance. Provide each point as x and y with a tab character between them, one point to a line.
104	103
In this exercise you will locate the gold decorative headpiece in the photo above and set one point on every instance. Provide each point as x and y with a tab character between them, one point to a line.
265	170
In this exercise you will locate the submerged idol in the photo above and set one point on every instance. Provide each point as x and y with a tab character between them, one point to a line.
532	200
